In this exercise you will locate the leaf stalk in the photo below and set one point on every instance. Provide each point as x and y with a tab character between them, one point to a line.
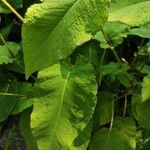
13	10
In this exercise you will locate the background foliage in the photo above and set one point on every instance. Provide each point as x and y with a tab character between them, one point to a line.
75	74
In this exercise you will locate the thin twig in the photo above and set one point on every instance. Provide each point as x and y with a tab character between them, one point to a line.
5	43
13	10
111	46
12	94
125	105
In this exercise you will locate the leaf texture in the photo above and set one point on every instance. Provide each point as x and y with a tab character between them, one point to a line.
53	29
134	13
146	88
61	114
121	137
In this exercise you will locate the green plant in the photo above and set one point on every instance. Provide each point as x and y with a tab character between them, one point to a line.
75	75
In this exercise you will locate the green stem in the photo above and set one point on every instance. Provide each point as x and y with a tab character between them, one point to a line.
111	46
11	53
5	43
13	10
101	62
116	55
11	94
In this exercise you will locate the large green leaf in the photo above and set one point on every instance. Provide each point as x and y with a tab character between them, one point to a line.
64	106
53	29
121	137
133	13
119	4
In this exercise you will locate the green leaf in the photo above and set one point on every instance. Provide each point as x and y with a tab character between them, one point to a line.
7	102
121	137
143	32
145	69
8	52
103	110
146	88
53	29
91	51
119	4
133	13
30	143
143	114
14	3
25	102
115	32
140	110
5	31
136	99
64	106
114	68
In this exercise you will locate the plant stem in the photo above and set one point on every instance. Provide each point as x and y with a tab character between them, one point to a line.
125	106
13	10
116	55
11	94
5	43
111	47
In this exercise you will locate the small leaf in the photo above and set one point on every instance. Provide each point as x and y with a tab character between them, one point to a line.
103	110
7	102
8	52
121	137
114	68
145	69
115	32
143	114
23	102
91	51
143	32
146	88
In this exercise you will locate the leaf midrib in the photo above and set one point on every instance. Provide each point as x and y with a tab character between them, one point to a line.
60	108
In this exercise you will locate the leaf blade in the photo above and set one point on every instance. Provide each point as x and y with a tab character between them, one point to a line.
71	25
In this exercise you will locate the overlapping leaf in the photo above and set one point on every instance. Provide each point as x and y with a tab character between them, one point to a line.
53	29
146	88
121	137
103	110
133	13
64	106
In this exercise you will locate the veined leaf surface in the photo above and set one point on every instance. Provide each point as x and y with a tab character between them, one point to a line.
53	29
61	115
133	13
121	137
